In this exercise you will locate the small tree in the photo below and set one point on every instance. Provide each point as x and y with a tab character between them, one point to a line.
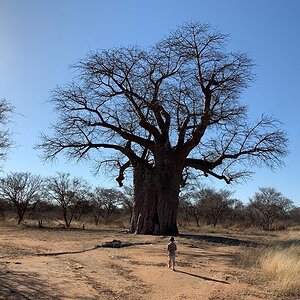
213	205
237	213
105	203
188	202
21	189
184	210
5	135
295	215
269	206
68	192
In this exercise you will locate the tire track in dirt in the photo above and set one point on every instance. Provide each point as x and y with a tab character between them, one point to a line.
102	289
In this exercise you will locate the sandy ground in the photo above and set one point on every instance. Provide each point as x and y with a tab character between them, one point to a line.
67	264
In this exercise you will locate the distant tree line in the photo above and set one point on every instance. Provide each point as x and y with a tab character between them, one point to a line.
268	209
63	199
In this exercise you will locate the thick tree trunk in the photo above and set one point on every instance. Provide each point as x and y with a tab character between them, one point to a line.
156	194
145	201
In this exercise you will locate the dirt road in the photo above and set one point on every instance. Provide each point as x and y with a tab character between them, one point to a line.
69	264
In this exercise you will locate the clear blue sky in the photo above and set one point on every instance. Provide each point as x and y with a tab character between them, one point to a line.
40	39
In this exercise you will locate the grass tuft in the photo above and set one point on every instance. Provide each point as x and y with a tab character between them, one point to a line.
282	266
278	264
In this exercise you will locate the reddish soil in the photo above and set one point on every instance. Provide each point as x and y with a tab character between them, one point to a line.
68	264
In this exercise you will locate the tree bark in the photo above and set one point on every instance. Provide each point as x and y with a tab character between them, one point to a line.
20	219
21	213
156	194
145	201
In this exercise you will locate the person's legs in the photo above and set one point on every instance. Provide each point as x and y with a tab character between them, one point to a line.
169	262
173	263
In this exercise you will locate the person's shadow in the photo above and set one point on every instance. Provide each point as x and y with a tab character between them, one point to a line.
202	277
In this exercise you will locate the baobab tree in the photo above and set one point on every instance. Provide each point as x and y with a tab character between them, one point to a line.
163	112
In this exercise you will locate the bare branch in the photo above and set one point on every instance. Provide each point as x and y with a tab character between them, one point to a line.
176	101
122	169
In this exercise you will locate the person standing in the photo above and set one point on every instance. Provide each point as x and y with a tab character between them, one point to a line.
172	247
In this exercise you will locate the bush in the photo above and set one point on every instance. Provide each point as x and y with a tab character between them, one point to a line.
279	225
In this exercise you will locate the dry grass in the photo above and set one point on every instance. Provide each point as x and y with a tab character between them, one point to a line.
282	265
279	264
